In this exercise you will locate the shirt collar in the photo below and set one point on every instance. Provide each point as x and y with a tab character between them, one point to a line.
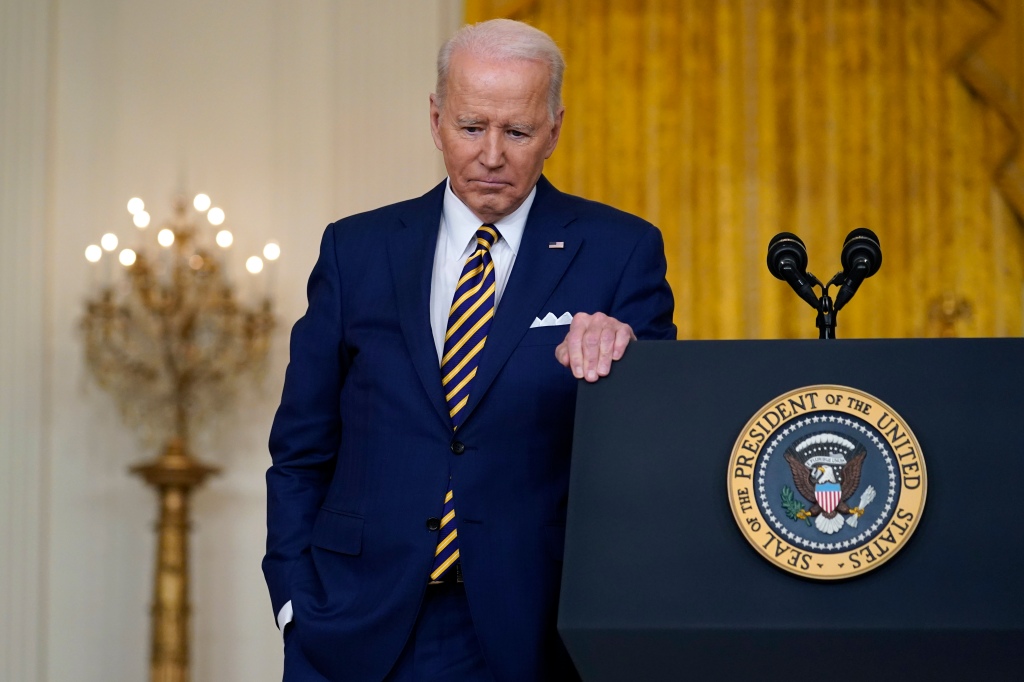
461	224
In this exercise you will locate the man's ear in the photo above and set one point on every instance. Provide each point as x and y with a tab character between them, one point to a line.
556	131
435	122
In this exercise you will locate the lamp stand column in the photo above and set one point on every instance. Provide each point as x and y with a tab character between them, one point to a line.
174	475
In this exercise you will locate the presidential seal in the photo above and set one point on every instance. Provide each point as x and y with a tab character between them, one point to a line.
827	482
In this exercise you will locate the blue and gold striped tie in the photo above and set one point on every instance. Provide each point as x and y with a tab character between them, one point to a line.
468	321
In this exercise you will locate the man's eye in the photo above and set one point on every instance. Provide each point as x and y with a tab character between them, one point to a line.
472	129
516	134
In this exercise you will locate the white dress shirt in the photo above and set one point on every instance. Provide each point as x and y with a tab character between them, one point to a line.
456	240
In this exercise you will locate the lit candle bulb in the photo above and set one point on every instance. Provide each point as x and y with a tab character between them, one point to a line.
254	265
225	239
93	253
272	251
109	243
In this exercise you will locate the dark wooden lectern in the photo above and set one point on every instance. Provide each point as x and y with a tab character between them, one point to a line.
660	584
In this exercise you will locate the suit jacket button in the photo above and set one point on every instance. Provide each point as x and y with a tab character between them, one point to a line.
458	447
433	523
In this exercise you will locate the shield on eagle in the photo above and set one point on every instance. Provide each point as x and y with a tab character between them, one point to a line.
828	496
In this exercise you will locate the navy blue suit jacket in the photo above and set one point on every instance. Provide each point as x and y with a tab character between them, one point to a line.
361	443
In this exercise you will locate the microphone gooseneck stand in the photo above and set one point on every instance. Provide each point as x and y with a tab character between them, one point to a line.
826	320
861	258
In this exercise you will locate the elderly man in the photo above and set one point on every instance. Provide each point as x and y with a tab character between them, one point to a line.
420	471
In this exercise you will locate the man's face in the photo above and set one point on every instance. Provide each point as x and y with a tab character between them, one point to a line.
495	131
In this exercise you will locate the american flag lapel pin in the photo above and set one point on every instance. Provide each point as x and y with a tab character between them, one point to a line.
556	245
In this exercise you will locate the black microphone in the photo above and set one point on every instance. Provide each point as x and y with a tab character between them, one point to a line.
787	260
862	256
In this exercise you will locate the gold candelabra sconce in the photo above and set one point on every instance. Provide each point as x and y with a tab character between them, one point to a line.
947	311
169	338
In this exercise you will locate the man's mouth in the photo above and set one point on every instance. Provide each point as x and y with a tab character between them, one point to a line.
491	182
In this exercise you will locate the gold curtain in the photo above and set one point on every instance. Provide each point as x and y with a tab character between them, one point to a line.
726	121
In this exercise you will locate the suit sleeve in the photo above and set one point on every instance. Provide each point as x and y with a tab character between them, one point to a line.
307	428
643	298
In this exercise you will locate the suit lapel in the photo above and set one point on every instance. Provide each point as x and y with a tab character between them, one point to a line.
537	270
411	248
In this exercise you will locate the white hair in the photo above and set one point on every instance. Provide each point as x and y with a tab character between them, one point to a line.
504	40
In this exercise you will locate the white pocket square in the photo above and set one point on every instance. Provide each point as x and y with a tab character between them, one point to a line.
550	320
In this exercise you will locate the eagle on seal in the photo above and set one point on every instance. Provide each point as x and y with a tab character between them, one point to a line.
826	470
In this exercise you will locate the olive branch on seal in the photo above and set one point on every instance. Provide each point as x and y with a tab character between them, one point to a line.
794	509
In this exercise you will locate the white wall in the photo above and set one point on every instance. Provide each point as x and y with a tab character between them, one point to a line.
24	104
289	114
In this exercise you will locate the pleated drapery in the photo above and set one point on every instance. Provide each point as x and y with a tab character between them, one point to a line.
726	121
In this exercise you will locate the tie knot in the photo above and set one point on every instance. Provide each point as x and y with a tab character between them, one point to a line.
487	236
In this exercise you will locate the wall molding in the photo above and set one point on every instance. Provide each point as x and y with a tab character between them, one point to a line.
25	98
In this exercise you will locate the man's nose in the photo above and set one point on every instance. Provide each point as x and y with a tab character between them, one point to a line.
493	153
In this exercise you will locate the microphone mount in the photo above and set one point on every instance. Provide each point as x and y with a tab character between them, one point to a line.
861	258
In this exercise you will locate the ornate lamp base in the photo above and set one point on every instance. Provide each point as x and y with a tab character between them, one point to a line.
174	474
